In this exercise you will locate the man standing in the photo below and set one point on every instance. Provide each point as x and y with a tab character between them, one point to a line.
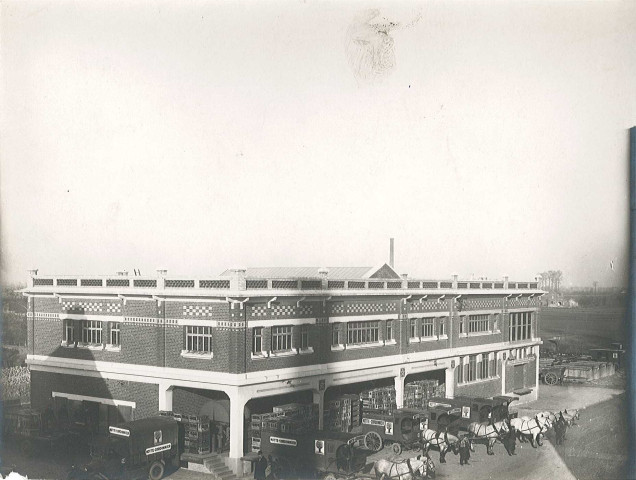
464	450
260	467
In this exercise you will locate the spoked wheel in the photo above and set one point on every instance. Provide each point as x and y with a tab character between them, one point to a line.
397	448
550	378
373	441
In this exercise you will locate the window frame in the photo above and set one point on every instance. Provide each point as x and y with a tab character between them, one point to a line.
68	326
257	337
114	328
281	338
427	324
198	336
363	333
92	332
478	323
304	337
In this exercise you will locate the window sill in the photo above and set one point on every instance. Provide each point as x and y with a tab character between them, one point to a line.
284	353
201	356
442	337
390	342
364	345
89	346
429	339
67	345
476	334
113	348
259	356
337	348
481	380
306	351
414	340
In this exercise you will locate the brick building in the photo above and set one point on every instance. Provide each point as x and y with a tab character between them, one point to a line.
105	349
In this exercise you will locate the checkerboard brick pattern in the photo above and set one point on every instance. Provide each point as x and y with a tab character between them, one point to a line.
370	308
428	306
482	303
198	310
85	306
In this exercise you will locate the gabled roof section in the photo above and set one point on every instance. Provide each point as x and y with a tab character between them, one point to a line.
344	273
383	271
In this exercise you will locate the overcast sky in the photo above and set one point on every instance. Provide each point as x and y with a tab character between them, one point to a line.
488	138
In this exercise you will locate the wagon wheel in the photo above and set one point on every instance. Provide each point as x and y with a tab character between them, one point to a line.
373	441
397	448
550	378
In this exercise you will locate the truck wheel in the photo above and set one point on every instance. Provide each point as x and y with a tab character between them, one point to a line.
397	448
155	472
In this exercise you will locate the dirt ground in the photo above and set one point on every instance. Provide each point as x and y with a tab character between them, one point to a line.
595	449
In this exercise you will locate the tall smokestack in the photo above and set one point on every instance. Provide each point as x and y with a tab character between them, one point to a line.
392	254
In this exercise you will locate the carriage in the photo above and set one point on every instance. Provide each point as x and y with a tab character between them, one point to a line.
401	429
321	454
552	375
457	413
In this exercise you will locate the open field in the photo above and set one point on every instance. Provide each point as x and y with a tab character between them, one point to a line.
583	328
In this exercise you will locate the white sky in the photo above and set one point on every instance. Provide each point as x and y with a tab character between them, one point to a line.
197	136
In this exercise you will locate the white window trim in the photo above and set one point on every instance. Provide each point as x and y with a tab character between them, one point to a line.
357	346
260	355
113	348
442	337
392	341
414	340
91	346
306	351
201	356
429	339
284	353
337	348
67	344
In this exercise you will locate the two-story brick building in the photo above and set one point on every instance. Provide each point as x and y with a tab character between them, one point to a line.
103	349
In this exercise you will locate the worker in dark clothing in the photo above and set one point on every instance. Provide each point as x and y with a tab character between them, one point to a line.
464	450
260	467
560	428
510	441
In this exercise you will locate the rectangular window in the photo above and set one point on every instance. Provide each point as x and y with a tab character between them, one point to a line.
199	339
335	338
461	324
520	326
389	330
472	368
69	331
281	338
492	367
483	367
304	337
478	323
115	329
363	332
413	328
428	327
442	326
257	340
91	332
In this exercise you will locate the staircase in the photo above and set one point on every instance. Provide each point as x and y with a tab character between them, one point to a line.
216	466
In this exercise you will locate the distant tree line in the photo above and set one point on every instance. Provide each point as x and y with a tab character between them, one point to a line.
14	320
551	280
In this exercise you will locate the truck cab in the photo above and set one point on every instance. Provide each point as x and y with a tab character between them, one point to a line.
137	449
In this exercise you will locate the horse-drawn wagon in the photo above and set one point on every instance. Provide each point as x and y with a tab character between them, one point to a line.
551	374
401	429
322	454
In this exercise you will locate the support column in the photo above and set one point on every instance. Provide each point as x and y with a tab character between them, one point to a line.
450	380
165	397
503	371
399	391
238	399
319	398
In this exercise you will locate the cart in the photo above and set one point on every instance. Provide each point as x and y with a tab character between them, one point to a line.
552	375
32	431
401	428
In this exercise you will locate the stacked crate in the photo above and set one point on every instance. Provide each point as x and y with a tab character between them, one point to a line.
195	430
378	400
342	414
292	418
258	423
416	395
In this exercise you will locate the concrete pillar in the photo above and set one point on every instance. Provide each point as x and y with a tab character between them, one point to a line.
503	371
319	398
165	397
237	279
450	380
399	390
238	399
32	273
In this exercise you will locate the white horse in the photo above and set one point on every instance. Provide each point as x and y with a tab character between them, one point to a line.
532	428
409	469
443	441
570	416
551	418
490	432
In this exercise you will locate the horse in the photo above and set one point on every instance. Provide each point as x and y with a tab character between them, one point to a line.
408	469
570	416
534	428
440	440
551	417
490	432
